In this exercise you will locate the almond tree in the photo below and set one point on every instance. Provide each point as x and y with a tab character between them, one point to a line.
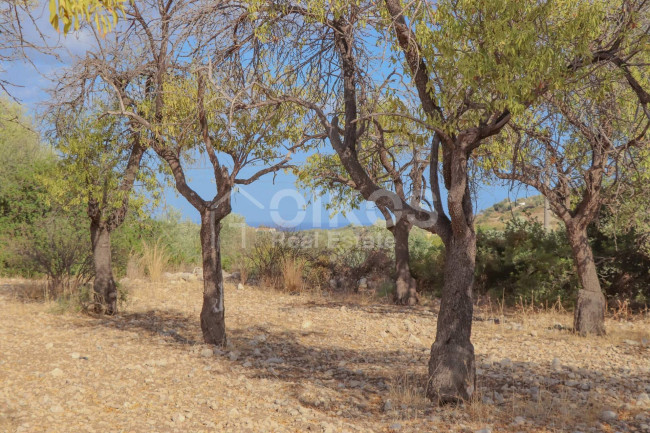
181	96
395	157
472	65
588	142
100	161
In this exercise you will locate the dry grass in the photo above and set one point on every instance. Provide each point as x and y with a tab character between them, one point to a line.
292	275
244	271
155	259
31	291
135	267
406	392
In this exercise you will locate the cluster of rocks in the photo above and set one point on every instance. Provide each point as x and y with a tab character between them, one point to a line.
197	275
368	284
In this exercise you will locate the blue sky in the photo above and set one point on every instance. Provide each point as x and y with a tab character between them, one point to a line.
272	200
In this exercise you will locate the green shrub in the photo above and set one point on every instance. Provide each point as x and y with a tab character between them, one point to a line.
525	262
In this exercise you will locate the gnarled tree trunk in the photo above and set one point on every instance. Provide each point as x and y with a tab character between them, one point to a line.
406	288
589	317
452	373
104	286
213	322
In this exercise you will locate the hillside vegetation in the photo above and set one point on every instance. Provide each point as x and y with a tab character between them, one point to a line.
528	208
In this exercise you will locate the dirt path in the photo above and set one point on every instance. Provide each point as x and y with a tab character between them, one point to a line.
304	363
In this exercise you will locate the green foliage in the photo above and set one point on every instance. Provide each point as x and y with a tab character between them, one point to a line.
427	255
525	262
621	245
180	238
521	262
56	245
37	238
22	161
93	154
499	54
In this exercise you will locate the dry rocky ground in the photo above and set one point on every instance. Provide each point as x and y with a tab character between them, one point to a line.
306	363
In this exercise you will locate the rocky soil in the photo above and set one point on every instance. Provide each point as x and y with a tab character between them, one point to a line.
305	363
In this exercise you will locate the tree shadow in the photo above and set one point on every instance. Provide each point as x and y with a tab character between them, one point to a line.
382	309
354	384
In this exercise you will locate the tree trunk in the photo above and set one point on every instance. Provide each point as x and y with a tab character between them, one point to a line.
406	288
104	285
452	373
213	323
589	315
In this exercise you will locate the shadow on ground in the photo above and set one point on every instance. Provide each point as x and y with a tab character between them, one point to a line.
354	384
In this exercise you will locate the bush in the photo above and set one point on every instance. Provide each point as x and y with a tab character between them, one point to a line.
271	259
57	246
622	257
427	260
525	262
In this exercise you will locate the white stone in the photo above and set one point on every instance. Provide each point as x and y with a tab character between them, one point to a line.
556	364
415	340
608	415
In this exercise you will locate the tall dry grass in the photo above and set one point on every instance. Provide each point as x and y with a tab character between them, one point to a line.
292	274
154	259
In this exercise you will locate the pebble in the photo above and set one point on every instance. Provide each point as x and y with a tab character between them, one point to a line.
519	420
534	393
207	352
643	400
556	364
56	409
395	427
179	417
415	340
75	355
49	345
57	372
608	415
240	286
388	406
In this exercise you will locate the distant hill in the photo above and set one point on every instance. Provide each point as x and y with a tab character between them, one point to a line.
529	208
